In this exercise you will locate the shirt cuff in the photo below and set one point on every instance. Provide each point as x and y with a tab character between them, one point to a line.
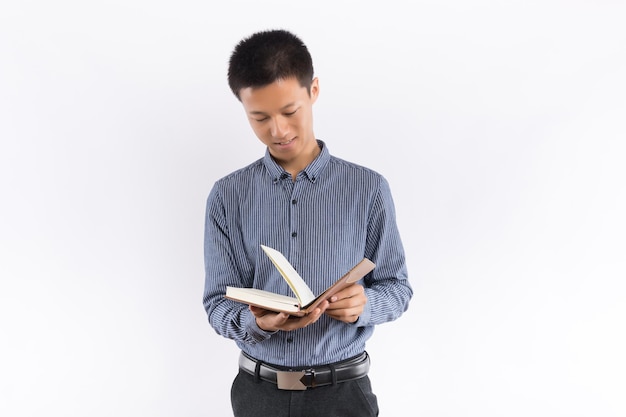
366	315
255	331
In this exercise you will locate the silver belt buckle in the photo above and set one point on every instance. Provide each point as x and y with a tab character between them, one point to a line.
295	380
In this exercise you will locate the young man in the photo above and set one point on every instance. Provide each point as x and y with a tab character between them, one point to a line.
324	214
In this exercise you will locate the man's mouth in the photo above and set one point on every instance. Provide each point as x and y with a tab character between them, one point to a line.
287	142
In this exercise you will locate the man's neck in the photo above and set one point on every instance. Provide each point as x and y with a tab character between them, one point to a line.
296	166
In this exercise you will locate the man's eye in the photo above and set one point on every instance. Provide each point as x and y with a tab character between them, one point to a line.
261	120
291	113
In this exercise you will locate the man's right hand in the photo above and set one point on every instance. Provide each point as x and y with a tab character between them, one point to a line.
270	321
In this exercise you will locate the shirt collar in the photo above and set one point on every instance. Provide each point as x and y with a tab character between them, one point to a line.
312	171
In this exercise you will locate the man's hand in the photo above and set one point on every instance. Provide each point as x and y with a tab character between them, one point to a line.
271	321
348	304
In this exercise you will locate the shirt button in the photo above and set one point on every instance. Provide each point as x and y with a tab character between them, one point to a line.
290	340
294	201
294	234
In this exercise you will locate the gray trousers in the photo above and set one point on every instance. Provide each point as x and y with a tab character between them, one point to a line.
257	398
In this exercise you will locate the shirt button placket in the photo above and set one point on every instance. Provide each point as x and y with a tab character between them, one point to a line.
293	203
294	220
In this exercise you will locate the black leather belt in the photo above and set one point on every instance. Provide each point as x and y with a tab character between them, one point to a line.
302	379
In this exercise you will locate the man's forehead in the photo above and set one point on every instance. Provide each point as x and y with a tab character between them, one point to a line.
275	97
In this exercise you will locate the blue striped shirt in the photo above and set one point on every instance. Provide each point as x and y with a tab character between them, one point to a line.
329	218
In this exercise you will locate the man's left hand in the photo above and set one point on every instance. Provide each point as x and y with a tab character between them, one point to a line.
348	304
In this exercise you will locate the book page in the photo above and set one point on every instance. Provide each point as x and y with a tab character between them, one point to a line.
295	281
264	299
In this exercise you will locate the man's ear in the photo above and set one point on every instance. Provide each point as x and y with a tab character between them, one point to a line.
315	89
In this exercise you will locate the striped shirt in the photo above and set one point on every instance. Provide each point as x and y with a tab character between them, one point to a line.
333	215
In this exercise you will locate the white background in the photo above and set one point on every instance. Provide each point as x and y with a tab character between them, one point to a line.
500	126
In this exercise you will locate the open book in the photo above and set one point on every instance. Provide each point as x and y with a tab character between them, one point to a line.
305	301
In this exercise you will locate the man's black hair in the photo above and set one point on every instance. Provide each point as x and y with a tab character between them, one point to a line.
269	56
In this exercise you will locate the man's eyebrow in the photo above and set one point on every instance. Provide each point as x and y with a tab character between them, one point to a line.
258	112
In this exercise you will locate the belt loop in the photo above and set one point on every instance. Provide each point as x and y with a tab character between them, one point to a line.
333	373
257	372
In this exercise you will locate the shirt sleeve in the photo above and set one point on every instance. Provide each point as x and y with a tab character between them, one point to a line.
230	319
387	287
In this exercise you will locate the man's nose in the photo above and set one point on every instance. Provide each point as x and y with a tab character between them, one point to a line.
279	128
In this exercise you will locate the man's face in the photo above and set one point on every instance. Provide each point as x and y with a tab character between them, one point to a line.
281	117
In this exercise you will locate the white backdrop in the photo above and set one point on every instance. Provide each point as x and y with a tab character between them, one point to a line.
500	126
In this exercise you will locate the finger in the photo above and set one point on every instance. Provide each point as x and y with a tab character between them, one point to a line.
345	303
258	311
345	316
298	323
354	290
